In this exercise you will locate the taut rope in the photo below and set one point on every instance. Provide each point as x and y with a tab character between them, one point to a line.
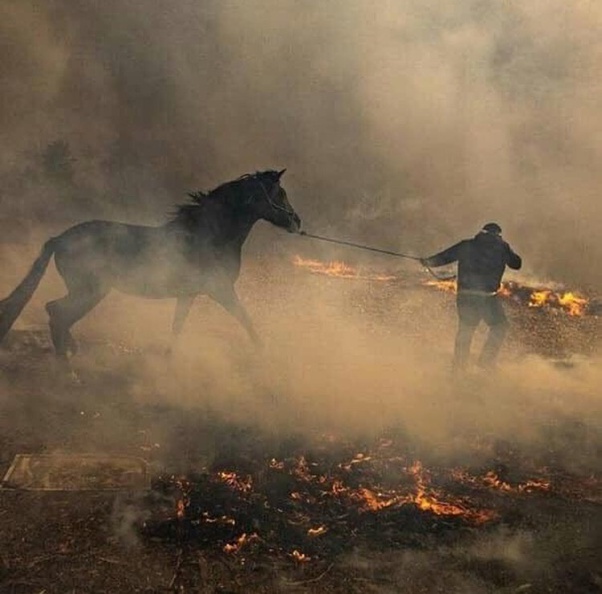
377	250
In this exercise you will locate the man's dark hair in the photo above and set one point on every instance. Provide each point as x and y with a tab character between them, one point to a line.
492	228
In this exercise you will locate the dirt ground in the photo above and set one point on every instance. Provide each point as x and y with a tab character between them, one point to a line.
343	356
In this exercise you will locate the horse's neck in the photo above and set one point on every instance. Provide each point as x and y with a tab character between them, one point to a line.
236	232
223	228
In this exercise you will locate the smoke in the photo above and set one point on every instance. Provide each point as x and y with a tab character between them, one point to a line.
405	124
409	122
496	561
342	357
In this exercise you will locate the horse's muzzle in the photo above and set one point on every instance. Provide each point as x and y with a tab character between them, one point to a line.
295	224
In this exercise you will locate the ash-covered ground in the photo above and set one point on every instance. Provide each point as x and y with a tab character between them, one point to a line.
308	447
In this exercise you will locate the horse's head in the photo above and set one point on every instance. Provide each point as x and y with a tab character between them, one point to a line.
270	202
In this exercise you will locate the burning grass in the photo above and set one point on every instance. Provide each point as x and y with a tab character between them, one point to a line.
313	503
339	269
571	302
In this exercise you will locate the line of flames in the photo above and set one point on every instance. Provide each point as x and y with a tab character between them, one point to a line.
339	269
571	302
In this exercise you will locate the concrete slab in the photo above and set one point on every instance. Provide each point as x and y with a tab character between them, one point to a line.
77	472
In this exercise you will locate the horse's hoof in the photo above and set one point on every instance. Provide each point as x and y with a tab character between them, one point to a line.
74	378
72	347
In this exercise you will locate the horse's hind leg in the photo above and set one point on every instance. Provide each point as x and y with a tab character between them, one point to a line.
228	298
65	312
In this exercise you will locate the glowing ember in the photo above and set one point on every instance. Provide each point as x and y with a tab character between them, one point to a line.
300	557
317	531
240	542
180	508
326	499
422	496
276	464
339	270
431	502
358	459
492	481
236	482
183	501
375	500
443	285
219	520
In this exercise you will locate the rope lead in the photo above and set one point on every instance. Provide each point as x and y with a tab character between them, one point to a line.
377	250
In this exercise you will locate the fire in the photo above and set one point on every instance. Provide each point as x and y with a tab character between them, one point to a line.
376	500
224	520
570	302
338	269
574	303
312	503
317	531
443	285
240	542
235	481
183	501
300	557
422	496
491	480
429	501
180	508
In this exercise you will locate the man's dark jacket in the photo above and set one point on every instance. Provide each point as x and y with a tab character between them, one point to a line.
481	261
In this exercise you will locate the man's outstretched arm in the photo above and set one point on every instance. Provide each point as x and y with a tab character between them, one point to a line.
447	256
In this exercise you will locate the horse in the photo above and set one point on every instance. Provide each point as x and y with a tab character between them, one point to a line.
197	252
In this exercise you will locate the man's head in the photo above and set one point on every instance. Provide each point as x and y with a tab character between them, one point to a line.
492	228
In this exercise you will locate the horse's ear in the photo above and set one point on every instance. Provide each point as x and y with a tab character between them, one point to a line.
280	173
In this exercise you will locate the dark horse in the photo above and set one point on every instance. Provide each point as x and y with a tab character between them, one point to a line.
198	252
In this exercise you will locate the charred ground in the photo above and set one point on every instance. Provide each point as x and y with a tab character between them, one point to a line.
262	483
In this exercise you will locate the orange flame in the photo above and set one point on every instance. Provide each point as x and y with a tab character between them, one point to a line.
492	481
338	269
317	531
429	502
571	302
300	557
424	497
574	303
219	520
183	501
368	498
235	481
241	541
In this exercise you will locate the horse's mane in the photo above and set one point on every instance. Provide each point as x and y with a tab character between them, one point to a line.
190	212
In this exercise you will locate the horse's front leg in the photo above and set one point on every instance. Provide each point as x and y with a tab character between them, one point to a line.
229	300
183	305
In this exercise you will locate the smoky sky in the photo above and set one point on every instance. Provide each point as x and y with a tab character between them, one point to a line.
406	124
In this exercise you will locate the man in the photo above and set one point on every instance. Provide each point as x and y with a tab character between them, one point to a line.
481	264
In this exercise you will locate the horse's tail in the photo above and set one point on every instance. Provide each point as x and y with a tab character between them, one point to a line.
12	306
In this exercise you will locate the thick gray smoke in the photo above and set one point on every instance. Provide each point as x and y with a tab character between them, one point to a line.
404	124
408	121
